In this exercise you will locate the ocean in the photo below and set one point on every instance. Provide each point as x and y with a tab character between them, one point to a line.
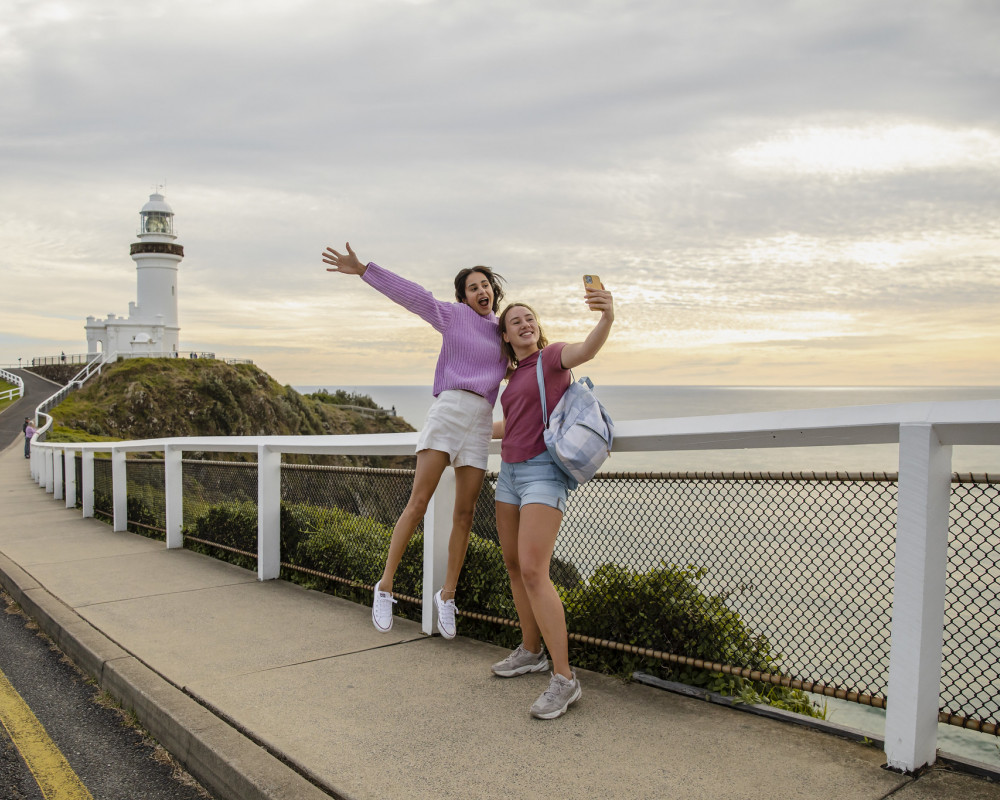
653	402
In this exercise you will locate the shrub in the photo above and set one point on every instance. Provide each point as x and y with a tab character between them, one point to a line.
342	544
230	524
142	518
663	609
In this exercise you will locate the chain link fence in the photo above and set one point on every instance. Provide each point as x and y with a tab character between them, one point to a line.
780	578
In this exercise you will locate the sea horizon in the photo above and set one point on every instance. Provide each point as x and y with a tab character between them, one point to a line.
657	401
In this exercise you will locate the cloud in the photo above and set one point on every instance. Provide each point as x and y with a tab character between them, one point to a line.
839	151
740	173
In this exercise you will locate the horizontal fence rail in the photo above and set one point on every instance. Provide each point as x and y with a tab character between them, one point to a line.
17	389
844	584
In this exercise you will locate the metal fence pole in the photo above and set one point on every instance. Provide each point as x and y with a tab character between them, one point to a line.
69	470
913	693
268	513
437	532
119	490
173	487
87	478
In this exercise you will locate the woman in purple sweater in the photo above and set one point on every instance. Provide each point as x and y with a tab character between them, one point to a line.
459	425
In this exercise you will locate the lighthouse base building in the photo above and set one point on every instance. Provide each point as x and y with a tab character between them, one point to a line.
151	326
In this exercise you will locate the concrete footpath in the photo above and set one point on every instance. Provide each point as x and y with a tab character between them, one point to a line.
267	690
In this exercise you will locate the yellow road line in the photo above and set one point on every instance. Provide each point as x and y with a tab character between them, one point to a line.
52	772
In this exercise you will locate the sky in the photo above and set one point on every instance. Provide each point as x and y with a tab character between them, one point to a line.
776	193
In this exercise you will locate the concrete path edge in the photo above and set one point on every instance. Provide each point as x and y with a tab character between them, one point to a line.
226	762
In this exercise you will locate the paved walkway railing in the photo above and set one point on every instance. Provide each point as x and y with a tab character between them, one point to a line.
924	432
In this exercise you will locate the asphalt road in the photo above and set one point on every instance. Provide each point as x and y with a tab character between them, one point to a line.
36	390
111	758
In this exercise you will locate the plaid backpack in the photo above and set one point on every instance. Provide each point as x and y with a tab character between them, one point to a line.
580	432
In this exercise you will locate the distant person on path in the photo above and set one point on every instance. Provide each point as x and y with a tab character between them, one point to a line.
27	422
467	378
29	431
532	492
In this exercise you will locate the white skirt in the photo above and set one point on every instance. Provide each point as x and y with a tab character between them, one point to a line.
460	424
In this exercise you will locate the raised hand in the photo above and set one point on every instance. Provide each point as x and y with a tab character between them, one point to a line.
347	263
601	300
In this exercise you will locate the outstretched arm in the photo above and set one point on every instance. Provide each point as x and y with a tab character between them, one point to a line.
348	263
412	296
581	352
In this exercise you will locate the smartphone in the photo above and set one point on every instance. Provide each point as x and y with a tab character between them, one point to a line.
592	282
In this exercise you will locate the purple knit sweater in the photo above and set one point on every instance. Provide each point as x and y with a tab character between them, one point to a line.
470	357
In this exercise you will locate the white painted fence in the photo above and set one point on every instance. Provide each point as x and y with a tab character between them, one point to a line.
925	433
17	391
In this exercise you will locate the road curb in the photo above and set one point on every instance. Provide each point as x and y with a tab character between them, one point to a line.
224	761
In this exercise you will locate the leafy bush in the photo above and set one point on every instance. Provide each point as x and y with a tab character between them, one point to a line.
663	609
342	398
342	544
142	519
230	524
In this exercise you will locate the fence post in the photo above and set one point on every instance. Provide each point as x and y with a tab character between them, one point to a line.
47	459
173	487
58	478
437	532
921	563
87	477
119	490
69	470
268	513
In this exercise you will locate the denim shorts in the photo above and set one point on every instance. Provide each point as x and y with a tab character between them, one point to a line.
537	480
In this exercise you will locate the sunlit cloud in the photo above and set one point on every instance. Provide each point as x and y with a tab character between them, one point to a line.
842	151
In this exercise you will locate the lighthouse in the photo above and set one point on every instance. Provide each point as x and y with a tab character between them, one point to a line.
151	327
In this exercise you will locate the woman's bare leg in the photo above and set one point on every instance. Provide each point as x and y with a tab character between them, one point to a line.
508	522
537	533
430	465
468	485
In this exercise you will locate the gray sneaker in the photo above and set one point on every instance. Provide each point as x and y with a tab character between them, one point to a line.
556	699
519	662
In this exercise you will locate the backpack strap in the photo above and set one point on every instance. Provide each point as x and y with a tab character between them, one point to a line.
541	389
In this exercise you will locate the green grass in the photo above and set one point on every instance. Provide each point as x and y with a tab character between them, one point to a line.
4	386
60	433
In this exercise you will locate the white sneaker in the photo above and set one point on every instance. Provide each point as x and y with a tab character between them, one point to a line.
382	610
446	615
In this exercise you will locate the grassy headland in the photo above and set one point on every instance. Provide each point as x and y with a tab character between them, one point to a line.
146	398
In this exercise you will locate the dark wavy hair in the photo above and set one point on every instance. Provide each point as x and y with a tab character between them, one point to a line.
496	281
507	349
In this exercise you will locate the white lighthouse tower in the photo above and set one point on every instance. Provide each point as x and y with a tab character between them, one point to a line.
151	326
